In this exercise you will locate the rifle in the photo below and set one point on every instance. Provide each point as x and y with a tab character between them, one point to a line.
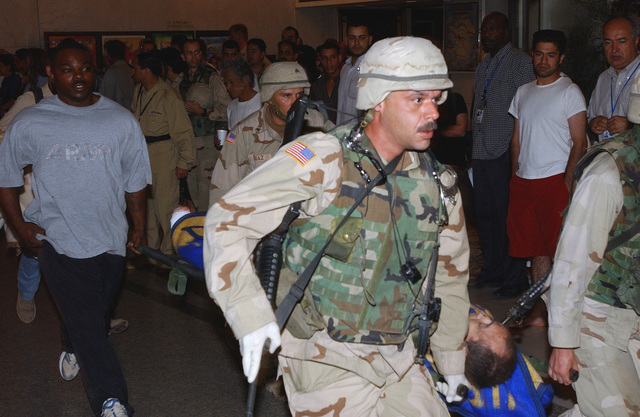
525	302
269	251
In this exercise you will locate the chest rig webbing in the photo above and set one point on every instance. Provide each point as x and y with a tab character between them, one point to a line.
358	287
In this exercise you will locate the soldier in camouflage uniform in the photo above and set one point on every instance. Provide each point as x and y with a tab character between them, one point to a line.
254	140
204	121
594	299
340	350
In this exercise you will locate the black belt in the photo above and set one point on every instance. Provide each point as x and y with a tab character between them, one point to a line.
154	139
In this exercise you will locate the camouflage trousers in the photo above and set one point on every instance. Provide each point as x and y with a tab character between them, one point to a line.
609	362
320	389
199	178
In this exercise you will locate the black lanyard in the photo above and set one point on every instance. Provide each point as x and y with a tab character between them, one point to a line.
146	105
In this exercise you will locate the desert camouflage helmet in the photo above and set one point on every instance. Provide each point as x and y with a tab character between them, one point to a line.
282	76
201	93
402	63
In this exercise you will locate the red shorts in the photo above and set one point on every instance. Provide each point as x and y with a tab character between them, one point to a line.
535	215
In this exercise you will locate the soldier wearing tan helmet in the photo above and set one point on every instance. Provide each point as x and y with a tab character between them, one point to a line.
254	140
340	348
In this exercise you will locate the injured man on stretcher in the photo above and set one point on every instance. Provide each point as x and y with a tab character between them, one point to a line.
502	381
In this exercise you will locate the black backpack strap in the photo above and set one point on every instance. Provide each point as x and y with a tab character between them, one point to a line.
37	93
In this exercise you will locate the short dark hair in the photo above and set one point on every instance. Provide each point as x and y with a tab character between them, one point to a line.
356	22
152	61
241	29
66	44
633	20
262	46
293	29
240	68
231	44
288	42
7	60
22	53
197	41
147	41
486	368
179	40
502	16
328	44
171	58
116	49
555	37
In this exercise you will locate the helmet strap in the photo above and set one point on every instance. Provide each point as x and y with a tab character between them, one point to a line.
277	111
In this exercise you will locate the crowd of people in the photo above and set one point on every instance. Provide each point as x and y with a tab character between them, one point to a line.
378	243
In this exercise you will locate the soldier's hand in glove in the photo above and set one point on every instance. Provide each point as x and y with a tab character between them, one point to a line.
449	387
251	348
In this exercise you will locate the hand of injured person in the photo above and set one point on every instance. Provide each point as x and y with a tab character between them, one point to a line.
251	348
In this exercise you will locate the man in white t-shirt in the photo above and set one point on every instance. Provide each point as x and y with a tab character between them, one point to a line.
549	139
239	81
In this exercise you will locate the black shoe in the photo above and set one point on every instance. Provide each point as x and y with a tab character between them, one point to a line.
505	293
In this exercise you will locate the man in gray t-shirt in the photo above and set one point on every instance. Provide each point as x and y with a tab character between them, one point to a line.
90	162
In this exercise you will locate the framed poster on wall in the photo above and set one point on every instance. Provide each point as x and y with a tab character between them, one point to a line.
132	41
163	39
461	36
52	39
213	39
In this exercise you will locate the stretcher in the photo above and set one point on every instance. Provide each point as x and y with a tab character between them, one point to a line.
524	394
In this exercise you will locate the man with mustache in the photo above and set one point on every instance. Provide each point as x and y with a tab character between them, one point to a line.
254	140
345	350
89	161
549	138
607	112
496	80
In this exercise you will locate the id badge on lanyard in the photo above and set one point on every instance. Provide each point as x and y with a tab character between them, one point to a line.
479	113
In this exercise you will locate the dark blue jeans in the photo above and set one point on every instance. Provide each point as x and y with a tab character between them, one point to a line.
491	196
85	292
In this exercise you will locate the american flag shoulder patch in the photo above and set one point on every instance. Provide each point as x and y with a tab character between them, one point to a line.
231	137
300	152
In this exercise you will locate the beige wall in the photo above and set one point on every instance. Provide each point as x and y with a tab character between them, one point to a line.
23	22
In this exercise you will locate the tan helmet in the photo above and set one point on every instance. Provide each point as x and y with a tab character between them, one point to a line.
402	63
202	94
282	76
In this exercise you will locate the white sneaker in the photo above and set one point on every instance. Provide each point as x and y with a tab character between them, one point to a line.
68	365
112	408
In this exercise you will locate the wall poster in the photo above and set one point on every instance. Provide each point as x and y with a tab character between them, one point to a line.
461	36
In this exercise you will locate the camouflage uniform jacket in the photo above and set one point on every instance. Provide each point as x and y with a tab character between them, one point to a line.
250	144
596	202
206	74
256	206
613	283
